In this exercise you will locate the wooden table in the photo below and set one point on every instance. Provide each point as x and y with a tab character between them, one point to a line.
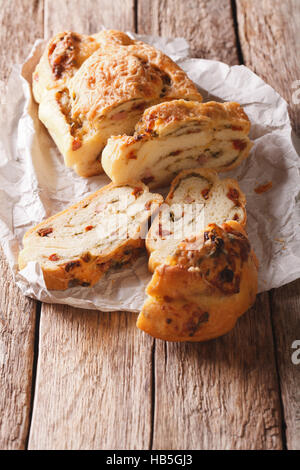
73	379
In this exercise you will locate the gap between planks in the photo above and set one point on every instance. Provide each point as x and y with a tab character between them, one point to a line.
21	23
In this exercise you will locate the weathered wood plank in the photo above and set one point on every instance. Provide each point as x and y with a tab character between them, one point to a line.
21	22
223	394
17	327
269	35
94	371
286	320
88	16
207	25
93	382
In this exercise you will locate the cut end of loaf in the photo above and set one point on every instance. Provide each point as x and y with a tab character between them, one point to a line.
179	135
196	199
105	230
201	290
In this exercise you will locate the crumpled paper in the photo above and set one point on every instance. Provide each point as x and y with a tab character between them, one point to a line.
34	182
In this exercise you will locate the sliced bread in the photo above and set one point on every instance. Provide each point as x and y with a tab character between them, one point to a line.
178	135
196	198
78	245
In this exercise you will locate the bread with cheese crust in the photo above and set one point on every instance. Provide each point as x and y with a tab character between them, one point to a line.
196	198
201	290
104	230
92	87
179	135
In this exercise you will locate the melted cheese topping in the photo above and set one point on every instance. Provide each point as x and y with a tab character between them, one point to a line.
92	87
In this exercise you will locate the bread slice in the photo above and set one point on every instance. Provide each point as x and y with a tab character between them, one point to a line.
78	245
196	198
201	290
92	87
179	135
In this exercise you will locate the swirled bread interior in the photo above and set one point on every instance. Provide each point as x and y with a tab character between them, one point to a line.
196	198
106	229
179	135
92	87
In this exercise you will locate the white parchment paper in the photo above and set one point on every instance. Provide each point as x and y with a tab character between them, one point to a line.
34	182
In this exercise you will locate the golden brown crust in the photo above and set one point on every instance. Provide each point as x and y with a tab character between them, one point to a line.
200	292
164	116
88	85
117	74
63	56
87	270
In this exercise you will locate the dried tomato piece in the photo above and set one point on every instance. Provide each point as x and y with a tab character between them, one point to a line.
137	191
205	193
54	257
233	194
239	144
44	232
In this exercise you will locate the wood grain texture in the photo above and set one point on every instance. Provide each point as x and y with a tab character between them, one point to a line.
93	382
286	320
17	327
88	16
206	24
21	22
222	394
269	36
